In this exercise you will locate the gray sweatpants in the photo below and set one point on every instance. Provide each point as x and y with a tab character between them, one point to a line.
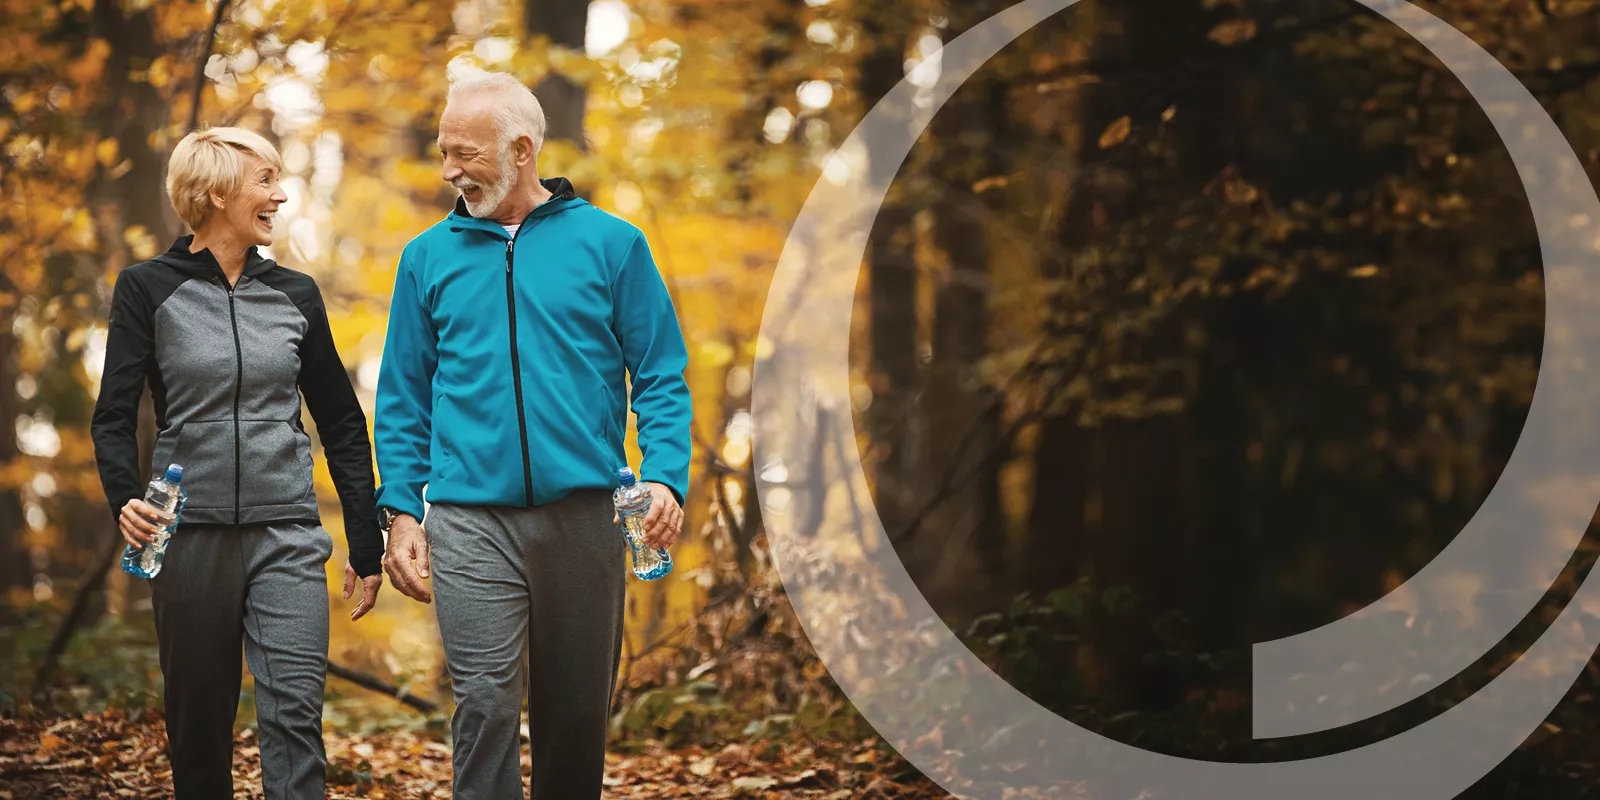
264	587
550	579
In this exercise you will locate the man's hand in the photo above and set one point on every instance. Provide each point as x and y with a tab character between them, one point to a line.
406	560
663	520
369	590
139	522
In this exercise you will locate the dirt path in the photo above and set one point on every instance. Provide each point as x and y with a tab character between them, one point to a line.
114	755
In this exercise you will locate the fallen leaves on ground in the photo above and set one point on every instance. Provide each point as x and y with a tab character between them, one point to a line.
122	755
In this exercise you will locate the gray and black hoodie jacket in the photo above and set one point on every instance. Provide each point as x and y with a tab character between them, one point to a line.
226	369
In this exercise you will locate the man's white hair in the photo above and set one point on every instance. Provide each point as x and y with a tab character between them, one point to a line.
517	112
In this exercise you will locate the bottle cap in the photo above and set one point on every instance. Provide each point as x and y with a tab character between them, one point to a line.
625	475
175	473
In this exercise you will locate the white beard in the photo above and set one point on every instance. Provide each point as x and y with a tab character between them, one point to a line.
491	194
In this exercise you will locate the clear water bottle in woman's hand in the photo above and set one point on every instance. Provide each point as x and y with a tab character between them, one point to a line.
167	496
632	500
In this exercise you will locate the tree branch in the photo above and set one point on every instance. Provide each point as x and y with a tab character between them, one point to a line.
200	63
75	614
950	480
92	582
376	684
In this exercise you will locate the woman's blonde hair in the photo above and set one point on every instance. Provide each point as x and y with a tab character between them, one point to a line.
212	161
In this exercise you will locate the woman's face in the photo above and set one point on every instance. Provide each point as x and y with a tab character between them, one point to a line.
249	214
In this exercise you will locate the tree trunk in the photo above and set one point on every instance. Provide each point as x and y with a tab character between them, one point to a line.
962	412
133	113
893	418
564	22
15	568
748	142
1136	518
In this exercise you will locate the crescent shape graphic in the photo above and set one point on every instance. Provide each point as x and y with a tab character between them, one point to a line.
909	675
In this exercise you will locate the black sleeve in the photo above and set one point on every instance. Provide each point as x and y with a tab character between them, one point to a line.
343	428
130	356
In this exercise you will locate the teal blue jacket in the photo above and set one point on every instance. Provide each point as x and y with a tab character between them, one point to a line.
504	372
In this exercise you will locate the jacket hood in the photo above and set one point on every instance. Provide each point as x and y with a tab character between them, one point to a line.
204	265
562	198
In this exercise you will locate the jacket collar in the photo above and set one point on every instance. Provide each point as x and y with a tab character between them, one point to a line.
562	197
204	265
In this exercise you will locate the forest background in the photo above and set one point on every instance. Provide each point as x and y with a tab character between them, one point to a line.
1188	324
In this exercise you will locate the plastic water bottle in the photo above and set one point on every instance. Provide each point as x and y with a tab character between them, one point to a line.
166	494
632	500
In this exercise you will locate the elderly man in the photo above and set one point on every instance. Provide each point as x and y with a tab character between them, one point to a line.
512	328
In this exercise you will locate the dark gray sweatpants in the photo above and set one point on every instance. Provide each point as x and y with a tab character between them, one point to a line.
549	578
264	587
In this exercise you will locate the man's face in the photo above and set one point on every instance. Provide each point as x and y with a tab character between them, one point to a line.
475	162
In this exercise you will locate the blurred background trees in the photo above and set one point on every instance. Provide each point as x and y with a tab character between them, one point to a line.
1230	310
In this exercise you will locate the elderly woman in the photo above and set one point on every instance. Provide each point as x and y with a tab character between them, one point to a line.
228	341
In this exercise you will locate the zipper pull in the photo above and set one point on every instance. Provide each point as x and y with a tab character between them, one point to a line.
510	244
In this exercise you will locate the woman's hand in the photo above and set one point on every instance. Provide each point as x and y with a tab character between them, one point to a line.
369	590
139	522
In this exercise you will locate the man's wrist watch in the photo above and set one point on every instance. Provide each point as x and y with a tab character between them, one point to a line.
386	517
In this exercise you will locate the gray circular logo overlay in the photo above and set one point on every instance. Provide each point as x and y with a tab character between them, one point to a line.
970	731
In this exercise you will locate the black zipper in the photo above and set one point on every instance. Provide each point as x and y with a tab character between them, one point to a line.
238	388
516	374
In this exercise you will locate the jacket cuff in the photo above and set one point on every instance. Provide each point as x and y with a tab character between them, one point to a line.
367	565
399	498
679	491
116	512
